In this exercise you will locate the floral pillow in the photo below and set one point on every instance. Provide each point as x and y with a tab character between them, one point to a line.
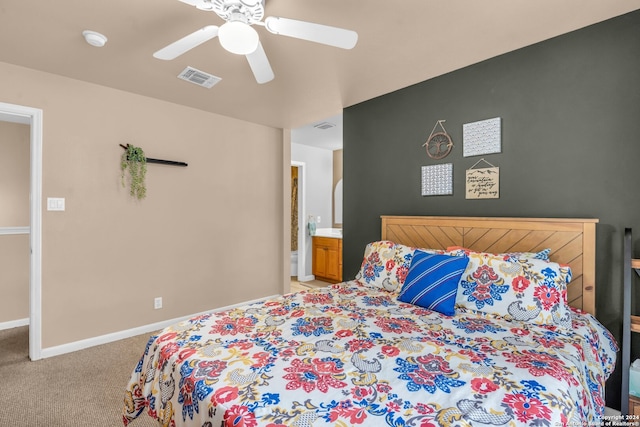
378	260
386	264
529	290
507	256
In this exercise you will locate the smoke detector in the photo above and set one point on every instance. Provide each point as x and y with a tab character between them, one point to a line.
94	38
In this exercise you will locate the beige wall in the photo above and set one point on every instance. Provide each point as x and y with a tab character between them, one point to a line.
14	174
207	236
14	212
14	277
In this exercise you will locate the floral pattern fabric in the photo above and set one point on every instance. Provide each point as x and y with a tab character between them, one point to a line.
386	264
525	289
350	355
507	256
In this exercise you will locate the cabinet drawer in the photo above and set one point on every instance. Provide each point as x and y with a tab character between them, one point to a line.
329	242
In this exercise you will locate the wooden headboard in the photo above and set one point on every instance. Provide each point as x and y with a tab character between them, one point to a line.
572	241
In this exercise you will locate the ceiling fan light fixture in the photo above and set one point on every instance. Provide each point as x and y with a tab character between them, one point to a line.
238	37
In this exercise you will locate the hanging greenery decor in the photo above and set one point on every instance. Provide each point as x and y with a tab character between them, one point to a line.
134	159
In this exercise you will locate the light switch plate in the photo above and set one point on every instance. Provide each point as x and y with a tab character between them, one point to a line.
55	203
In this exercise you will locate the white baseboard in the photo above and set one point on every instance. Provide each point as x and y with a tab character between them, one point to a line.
306	278
145	329
14	324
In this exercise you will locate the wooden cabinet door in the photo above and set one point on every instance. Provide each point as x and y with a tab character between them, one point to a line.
333	264
319	264
327	258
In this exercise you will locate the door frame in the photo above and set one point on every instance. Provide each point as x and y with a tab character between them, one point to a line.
33	117
302	215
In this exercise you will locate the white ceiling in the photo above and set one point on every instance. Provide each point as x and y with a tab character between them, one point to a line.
400	43
325	134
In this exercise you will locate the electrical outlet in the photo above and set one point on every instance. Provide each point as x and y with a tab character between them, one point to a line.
157	303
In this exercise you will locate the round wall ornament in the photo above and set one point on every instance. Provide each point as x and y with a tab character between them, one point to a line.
438	144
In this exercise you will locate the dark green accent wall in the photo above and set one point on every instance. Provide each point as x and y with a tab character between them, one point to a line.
570	110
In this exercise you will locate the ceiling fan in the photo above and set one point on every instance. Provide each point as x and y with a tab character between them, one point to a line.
238	36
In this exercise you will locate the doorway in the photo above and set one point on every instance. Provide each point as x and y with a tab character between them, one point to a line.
33	118
317	149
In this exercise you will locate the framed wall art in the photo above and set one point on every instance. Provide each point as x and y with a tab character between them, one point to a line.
439	144
437	180
483	137
482	183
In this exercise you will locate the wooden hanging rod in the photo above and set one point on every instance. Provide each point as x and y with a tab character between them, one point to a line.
160	161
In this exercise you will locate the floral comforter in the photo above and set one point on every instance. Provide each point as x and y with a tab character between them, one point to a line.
350	355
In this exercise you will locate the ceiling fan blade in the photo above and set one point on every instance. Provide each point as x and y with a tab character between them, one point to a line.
187	43
332	36
260	66
200	4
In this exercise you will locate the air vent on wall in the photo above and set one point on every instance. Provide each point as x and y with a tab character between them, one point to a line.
324	125
198	77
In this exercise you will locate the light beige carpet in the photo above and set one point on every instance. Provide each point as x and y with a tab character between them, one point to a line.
84	388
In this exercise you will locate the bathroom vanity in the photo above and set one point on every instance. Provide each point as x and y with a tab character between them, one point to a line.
327	255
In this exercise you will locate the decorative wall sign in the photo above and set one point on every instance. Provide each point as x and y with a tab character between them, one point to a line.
483	183
438	144
483	137
437	180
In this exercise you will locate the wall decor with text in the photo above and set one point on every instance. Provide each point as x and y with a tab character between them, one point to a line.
482	183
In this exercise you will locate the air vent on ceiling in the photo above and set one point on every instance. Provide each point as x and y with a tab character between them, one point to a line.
324	125
198	77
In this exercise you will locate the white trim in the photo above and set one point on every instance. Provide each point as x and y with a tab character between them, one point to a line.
14	230
116	336
14	324
302	215
32	116
13	116
35	298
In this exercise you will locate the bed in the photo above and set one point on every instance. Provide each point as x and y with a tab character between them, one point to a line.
451	321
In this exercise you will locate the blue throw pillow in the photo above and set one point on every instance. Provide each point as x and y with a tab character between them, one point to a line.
432	281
